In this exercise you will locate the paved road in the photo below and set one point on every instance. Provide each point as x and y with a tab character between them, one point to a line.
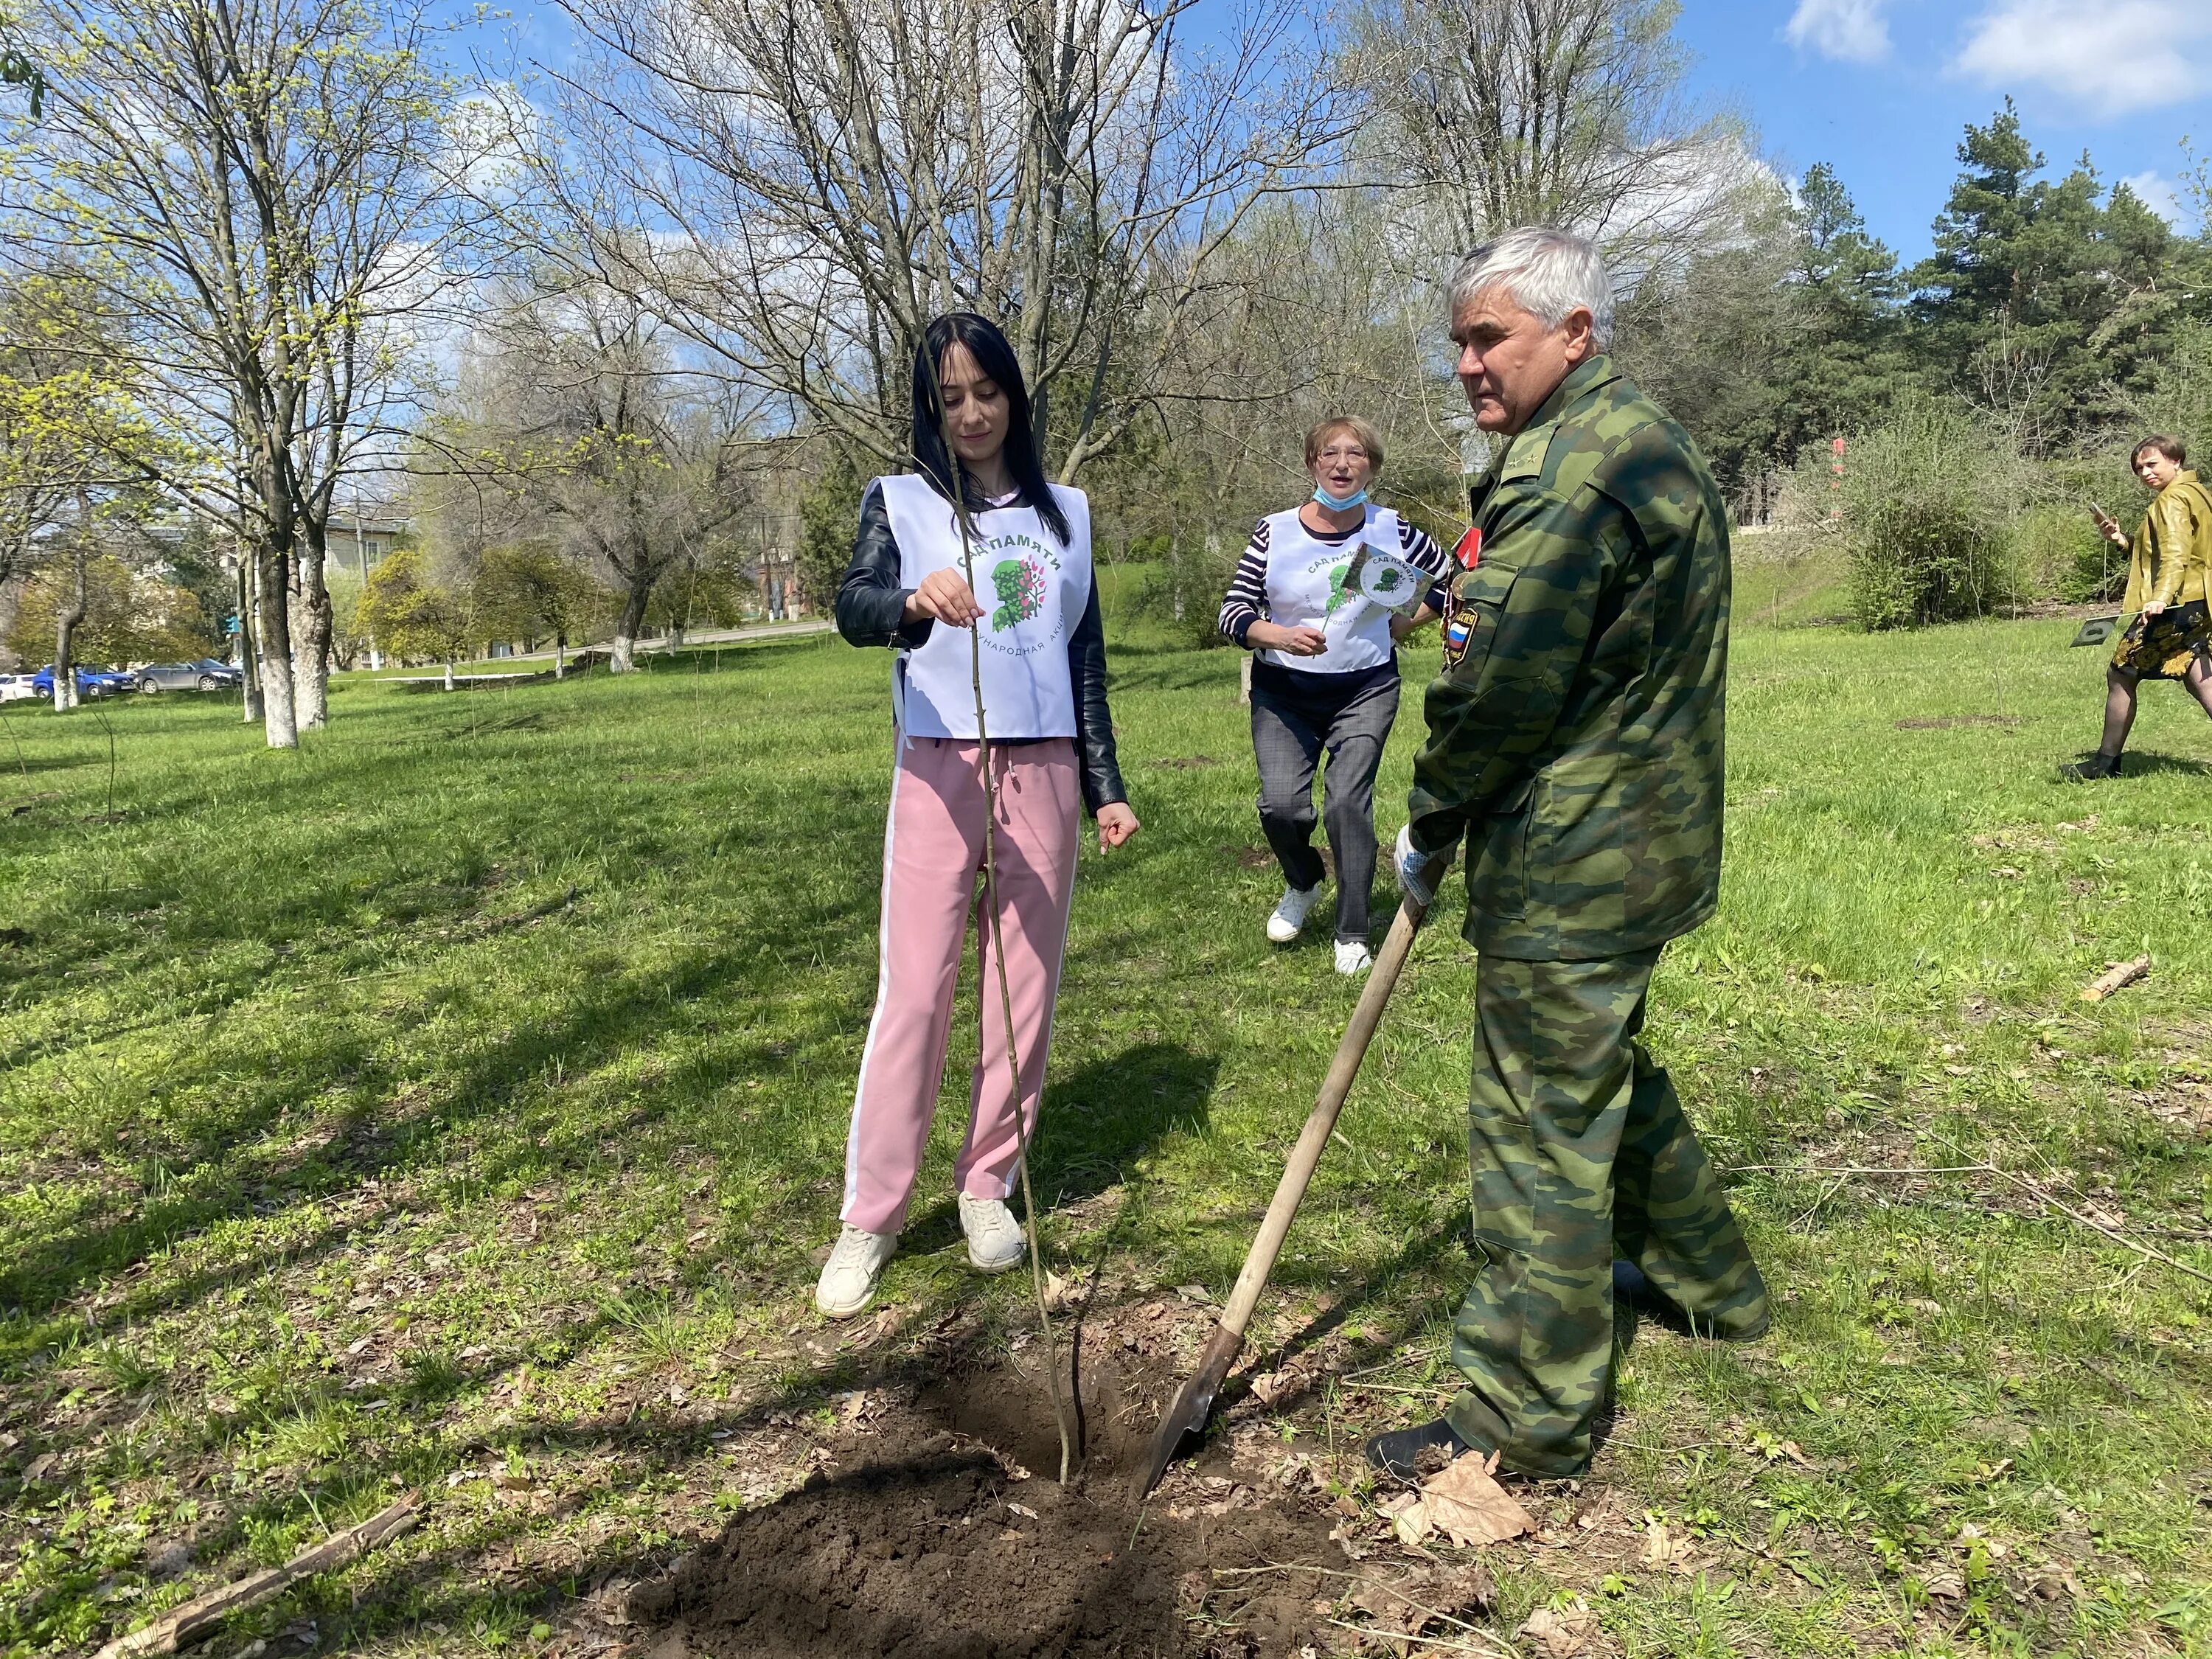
705	636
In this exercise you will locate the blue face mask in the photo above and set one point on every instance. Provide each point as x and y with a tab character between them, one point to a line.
1340	503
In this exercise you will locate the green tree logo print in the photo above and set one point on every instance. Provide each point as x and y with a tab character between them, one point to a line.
1336	588
1020	585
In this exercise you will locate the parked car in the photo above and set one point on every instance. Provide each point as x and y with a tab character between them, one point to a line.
15	688
90	683
204	674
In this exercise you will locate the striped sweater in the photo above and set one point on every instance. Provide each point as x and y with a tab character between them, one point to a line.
1246	602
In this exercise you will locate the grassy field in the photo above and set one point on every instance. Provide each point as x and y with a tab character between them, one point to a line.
457	1104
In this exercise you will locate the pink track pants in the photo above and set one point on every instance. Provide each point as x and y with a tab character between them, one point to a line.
933	858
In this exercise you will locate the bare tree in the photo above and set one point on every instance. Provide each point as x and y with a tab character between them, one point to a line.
574	423
251	185
800	189
1569	113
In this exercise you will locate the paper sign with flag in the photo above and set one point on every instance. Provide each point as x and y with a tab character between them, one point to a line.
1385	578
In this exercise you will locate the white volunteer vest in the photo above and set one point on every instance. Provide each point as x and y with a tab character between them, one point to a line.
1305	589
1033	591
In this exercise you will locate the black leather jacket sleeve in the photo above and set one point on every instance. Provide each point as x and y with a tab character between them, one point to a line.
870	602
1094	722
869	599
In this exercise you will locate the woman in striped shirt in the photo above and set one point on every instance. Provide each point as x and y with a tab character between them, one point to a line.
1326	678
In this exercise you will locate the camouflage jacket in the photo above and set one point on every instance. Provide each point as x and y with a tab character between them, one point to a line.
1575	736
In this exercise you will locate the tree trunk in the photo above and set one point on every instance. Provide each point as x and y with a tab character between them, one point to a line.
632	624
560	656
311	636
249	659
272	622
449	673
65	622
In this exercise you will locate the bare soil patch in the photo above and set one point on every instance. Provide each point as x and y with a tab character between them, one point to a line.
942	1535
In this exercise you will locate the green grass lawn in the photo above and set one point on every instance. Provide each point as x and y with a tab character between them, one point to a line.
457	1103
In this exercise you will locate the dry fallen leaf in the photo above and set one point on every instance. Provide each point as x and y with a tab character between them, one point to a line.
40	1467
1469	1507
1354	1547
1665	1549
1559	1634
1946	1586
1426	1600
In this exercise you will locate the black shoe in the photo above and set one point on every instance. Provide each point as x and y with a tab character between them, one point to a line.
1399	1454
2091	768
1631	1287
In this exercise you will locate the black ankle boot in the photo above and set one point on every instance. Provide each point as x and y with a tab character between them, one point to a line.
1399	1454
2091	768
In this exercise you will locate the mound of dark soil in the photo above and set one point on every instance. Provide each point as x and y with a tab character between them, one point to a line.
924	1542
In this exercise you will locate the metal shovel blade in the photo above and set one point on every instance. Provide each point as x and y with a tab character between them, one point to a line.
1187	1412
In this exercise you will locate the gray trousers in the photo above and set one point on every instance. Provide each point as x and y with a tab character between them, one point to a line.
1293	724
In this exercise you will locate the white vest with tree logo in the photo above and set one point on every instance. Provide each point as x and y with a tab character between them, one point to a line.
1033	591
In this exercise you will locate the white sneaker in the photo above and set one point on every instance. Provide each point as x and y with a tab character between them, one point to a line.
1352	957
1290	912
850	1276
994	1237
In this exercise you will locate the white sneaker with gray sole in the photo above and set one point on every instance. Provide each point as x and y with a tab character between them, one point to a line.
994	1237
850	1276
1290	912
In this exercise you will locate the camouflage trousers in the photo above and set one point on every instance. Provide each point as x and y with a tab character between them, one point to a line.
1579	1149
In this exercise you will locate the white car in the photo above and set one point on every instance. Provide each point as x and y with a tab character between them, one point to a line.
15	688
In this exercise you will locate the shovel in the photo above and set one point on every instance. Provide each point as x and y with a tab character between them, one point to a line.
1194	1401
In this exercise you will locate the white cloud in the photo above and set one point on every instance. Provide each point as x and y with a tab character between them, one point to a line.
2161	195
1853	31
2112	57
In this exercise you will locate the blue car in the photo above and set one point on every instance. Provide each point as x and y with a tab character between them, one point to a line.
90	683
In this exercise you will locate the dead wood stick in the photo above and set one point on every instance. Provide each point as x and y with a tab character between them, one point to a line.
2035	1190
189	1620
2123	973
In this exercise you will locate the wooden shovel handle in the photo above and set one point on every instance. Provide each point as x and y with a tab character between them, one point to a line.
1381	979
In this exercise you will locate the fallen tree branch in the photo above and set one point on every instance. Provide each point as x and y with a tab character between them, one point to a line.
190	1620
2119	973
2034	1188
2035	1191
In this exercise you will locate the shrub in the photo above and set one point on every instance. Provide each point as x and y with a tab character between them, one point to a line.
2057	554
1925	505
1187	582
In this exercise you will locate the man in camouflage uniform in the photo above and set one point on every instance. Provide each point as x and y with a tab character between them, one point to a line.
1575	743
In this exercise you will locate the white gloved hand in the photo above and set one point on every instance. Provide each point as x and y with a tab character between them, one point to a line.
1415	879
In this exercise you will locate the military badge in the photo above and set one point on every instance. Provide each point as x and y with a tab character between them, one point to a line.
1460	624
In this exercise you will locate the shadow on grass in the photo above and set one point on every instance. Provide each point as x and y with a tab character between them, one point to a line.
2149	762
1096	1124
391	1123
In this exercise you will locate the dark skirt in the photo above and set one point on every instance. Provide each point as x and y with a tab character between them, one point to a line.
2164	646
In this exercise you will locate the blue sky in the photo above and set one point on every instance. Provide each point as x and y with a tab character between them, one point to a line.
1882	90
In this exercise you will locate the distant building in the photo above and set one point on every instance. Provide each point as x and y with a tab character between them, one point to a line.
358	541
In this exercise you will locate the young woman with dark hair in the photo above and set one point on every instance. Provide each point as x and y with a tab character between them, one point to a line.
1051	741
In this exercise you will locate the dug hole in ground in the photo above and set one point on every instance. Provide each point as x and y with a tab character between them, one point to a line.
931	1525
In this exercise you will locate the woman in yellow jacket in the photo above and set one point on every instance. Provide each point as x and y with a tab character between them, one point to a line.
2169	565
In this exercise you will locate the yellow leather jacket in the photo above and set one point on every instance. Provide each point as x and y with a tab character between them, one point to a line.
2170	560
